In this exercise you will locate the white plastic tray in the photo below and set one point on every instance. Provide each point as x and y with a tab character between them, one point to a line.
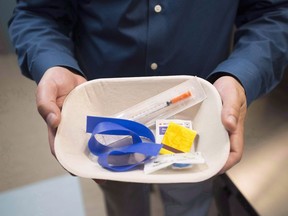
105	97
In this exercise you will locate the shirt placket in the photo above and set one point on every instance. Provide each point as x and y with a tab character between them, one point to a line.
156	31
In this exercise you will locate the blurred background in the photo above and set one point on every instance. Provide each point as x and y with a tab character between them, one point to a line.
31	180
33	183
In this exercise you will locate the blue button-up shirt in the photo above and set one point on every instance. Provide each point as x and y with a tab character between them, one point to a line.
116	38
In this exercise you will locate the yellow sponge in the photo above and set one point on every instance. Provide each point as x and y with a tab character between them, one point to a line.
177	139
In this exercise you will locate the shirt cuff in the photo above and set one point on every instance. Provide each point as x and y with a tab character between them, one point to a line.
245	72
47	60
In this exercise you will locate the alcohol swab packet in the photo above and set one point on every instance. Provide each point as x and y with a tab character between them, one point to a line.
163	161
176	136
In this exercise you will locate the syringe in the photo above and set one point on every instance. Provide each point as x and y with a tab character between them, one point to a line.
160	106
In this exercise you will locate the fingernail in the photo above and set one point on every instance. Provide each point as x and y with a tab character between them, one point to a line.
51	119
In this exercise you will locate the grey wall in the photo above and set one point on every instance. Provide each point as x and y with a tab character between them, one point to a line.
6	8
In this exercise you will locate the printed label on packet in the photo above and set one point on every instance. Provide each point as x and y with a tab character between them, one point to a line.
162	161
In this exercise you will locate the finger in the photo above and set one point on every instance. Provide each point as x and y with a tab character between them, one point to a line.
233	158
236	151
46	96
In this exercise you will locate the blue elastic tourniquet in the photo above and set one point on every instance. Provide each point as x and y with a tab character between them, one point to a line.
112	126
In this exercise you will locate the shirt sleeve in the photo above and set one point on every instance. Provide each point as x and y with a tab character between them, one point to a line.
260	53
41	33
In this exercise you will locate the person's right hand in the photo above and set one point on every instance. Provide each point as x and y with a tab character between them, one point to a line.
55	85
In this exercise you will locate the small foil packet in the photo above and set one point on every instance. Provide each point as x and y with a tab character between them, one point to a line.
163	161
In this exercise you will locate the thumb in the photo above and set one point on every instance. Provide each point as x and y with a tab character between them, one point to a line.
46	96
230	114
231	103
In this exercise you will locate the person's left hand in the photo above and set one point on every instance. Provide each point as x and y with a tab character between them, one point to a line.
233	115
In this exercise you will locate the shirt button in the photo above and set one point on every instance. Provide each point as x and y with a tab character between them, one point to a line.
154	66
158	8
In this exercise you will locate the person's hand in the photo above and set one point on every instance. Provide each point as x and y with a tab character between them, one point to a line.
233	116
55	85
